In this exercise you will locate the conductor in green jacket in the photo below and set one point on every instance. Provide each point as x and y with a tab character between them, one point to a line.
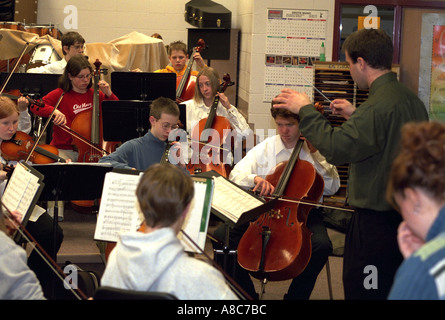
369	141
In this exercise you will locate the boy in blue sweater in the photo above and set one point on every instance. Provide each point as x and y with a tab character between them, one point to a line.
140	153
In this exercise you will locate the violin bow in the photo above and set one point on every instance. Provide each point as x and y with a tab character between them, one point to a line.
66	129
15	67
44	127
43	254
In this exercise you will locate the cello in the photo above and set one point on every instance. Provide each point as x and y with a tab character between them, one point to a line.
87	125
207	136
277	246
185	84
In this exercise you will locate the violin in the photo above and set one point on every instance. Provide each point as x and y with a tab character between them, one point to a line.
207	134
16	94
185	84
20	148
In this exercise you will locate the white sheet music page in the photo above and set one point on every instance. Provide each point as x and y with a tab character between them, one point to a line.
197	220
21	189
232	201
118	211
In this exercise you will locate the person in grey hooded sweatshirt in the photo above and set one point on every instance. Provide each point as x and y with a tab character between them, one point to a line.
153	259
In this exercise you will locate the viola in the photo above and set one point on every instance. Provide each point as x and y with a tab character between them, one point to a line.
208	135
185	84
20	147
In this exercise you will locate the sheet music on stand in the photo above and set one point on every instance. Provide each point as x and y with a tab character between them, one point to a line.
118	211
231	200
233	204
22	192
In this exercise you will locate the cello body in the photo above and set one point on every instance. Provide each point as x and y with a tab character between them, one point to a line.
88	124
206	146
185	84
189	88
277	246
208	135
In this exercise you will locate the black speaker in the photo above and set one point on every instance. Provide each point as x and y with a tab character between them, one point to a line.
7	10
217	42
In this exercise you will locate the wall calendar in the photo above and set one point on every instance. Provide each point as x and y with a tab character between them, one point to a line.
293	41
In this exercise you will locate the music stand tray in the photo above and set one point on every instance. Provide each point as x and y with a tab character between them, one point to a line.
72	181
34	84
124	120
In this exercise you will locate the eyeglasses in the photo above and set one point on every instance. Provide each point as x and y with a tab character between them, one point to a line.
166	126
78	46
88	76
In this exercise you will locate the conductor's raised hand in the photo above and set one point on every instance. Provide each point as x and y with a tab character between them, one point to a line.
291	100
342	107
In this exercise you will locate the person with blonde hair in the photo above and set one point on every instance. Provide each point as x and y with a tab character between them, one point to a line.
206	89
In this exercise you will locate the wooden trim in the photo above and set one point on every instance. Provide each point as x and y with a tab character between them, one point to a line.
398	13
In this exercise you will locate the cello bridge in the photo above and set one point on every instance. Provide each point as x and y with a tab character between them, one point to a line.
275	213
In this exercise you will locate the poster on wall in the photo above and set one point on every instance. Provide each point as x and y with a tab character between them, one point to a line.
432	65
293	41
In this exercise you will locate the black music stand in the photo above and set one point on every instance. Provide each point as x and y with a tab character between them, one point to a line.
33	84
145	86
226	252
124	120
70	181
